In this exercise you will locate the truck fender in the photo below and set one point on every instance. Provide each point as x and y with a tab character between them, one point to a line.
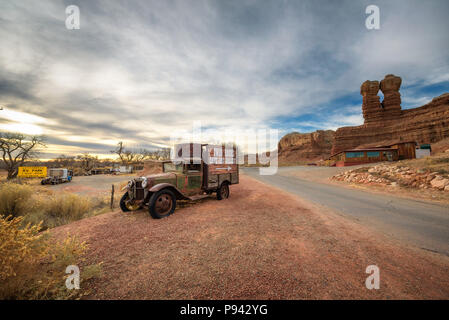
177	192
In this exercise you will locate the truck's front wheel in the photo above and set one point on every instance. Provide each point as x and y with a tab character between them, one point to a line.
162	204
128	205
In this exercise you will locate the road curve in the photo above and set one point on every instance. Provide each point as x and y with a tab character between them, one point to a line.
423	224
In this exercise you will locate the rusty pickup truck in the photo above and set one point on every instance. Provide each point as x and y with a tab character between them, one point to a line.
196	172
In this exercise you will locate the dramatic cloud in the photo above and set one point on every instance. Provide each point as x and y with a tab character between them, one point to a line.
138	70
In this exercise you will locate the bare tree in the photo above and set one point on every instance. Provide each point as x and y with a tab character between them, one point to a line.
87	161
128	157
163	154
63	161
16	148
158	154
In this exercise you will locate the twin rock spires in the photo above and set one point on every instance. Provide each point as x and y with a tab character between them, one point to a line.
390	108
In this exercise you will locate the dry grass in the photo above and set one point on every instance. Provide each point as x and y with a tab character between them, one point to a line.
15	199
60	209
435	163
37	204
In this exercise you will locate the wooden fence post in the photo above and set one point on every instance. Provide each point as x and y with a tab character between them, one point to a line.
112	197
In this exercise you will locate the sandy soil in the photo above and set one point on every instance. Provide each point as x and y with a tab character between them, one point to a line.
261	243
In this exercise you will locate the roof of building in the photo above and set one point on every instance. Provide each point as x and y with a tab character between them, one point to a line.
384	144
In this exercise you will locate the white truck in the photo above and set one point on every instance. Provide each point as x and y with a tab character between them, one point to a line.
56	176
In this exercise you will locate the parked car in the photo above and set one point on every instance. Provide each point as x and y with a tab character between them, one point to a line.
56	176
184	178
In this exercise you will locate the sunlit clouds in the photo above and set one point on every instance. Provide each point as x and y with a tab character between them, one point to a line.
137	71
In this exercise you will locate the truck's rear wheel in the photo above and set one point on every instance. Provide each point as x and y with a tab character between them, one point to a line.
127	205
162	204
223	191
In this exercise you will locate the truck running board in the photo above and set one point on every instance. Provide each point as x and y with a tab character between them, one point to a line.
198	197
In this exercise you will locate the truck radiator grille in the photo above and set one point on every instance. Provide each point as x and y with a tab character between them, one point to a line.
139	193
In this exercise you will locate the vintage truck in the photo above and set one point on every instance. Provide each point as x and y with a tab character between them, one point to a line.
56	176
197	171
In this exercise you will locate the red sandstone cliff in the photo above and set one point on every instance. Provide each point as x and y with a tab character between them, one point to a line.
305	146
388	122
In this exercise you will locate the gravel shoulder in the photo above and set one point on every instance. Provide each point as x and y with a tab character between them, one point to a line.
261	243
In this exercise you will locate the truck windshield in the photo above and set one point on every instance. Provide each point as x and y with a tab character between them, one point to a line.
171	167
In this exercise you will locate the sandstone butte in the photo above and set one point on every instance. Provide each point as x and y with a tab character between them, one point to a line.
384	122
306	146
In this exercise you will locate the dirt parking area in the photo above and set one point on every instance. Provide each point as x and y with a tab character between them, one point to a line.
261	243
91	185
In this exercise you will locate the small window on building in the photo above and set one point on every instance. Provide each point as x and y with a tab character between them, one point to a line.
372	154
355	154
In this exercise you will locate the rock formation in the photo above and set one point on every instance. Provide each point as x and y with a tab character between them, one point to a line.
392	175
297	146
371	107
386	121
392	98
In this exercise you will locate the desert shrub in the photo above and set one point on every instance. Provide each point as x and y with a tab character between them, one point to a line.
19	246
100	204
59	209
15	199
33	266
79	171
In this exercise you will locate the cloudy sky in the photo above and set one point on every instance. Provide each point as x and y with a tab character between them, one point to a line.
137	71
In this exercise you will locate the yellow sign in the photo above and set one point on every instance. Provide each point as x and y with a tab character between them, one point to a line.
32	172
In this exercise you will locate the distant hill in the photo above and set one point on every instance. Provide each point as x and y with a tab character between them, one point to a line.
298	147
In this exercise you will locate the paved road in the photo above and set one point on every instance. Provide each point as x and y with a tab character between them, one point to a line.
420	223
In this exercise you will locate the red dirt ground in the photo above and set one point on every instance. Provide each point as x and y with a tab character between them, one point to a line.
261	243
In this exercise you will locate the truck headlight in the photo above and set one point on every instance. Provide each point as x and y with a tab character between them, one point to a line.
144	182
128	186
